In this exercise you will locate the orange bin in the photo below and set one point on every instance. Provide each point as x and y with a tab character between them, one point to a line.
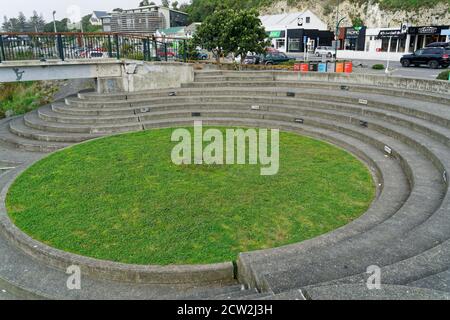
339	67
348	67
297	67
304	67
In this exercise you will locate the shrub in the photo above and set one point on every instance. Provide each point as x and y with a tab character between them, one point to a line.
444	75
20	98
378	66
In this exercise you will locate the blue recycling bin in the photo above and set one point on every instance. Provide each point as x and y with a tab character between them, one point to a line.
322	67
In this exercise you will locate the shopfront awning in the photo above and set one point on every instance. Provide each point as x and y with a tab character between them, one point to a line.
394	34
430	30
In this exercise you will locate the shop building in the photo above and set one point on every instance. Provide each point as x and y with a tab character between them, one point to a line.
422	36
408	40
291	32
353	39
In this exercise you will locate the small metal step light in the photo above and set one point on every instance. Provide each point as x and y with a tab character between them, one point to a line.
345	88
388	150
290	94
363	123
145	110
444	176
256	108
196	114
299	120
172	94
363	101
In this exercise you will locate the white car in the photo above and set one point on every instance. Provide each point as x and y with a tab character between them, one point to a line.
325	51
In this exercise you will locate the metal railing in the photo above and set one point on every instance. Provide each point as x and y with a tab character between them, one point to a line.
71	46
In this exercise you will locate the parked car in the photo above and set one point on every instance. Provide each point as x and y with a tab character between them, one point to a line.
325	51
202	55
252	59
162	53
439	45
432	57
272	58
94	54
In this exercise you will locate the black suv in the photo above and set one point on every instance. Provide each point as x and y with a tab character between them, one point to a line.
433	57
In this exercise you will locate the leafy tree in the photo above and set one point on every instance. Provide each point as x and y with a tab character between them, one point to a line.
189	50
21	22
165	3
145	3
61	26
245	33
36	22
211	35
175	5
232	31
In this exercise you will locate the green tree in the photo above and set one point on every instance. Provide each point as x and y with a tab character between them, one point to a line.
188	49
232	31
21	22
36	22
61	26
212	35
245	33
165	3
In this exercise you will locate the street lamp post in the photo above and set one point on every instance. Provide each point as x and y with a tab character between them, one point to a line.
336	43
336	37
54	22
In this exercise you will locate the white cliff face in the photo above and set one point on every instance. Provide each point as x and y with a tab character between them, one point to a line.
371	14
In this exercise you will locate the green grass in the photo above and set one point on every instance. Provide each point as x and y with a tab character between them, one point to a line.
122	199
444	75
378	66
20	98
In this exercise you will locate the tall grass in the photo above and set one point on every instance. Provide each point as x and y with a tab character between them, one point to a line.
20	98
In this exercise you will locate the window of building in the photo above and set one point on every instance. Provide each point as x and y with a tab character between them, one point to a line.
280	43
308	19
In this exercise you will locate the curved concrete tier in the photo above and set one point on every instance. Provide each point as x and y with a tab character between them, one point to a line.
406	231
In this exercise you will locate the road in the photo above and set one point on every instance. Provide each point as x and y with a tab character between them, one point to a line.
396	69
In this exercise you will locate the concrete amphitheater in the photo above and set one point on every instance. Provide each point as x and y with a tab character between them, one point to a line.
399	127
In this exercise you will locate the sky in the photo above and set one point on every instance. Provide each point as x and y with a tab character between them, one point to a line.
72	9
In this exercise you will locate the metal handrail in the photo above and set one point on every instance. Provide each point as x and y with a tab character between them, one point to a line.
77	45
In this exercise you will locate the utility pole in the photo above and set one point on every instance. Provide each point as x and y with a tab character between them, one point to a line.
336	37
388	56
54	22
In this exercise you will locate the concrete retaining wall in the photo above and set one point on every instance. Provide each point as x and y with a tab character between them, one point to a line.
141	76
59	70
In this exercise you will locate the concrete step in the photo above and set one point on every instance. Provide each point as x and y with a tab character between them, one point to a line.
343	87
20	129
32	120
415	206
47	114
14	141
439	281
35	280
437	113
361	292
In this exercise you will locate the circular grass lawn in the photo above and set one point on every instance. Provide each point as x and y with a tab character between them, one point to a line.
122	199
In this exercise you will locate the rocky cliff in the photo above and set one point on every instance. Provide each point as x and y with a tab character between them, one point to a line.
369	12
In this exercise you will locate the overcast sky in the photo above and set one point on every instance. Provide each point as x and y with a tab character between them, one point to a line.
64	8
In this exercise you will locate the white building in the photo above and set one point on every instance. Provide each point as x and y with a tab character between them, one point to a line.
96	18
288	31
